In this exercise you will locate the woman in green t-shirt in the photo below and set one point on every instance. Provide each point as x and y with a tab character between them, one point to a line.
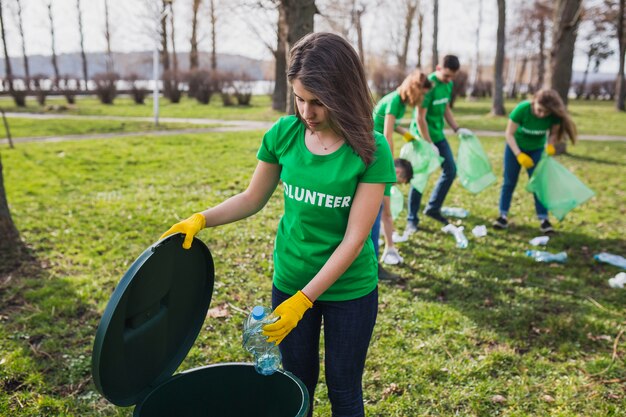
527	130
387	114
334	169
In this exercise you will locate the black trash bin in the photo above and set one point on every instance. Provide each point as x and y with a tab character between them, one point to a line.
151	321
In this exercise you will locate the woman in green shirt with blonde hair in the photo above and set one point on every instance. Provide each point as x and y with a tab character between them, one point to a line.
529	126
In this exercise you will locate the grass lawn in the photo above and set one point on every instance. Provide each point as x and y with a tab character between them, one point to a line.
260	108
23	127
591	117
481	331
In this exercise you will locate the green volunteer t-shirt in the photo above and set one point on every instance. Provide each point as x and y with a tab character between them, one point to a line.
532	131
435	101
318	194
389	104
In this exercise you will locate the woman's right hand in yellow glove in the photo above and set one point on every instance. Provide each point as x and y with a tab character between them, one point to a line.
525	160
408	136
189	227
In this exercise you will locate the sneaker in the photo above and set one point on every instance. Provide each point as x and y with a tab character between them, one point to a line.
391	257
385	275
436	215
500	223
399	238
546	226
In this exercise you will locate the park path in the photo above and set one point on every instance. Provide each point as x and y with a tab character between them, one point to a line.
222	126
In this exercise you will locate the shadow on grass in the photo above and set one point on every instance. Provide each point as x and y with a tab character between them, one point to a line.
45	327
534	305
587	158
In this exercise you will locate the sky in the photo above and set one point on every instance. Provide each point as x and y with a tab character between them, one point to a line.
132	28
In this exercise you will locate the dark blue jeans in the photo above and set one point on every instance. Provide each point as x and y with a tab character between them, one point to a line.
441	188
375	234
348	327
511	174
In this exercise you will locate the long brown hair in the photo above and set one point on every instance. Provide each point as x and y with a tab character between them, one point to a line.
413	88
328	66
551	100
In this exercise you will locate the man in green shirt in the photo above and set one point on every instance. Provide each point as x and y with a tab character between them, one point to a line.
428	123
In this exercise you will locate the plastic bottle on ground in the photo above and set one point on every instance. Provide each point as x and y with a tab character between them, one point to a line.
457	232
539	240
454	212
267	355
609	258
543	256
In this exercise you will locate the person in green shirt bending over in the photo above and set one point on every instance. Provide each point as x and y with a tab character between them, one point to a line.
529	124
427	123
334	169
387	114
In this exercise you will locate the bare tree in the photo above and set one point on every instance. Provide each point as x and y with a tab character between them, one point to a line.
213	15
173	40
475	76
420	35
620	87
358	10
107	37
410	8
9	235
299	16
55	66
498	94
165	54
567	16
596	52
20	27
435	54
82	41
8	71
193	52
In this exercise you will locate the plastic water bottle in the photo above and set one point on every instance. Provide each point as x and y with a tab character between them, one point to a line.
457	232
542	256
609	258
454	212
266	354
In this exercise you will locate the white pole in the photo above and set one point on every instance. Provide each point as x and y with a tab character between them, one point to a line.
155	90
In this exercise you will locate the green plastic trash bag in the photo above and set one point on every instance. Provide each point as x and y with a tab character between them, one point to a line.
397	201
472	165
423	159
557	188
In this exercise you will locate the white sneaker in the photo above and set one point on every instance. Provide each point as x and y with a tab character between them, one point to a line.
391	257
399	238
410	229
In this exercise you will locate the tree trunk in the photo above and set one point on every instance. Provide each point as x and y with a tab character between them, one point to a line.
173	40
541	69
299	15
356	16
567	14
581	88
213	36
21	30
8	233
7	61
279	98
620	87
498	94
165	53
82	43
54	53
476	67
193	53
435	57
420	43
107	37
411	7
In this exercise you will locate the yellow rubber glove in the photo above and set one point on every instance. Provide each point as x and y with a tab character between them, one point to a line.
290	312
189	227
525	160
550	149
408	136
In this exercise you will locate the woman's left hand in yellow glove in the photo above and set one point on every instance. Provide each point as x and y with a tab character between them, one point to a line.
189	227
550	150
408	136
290	312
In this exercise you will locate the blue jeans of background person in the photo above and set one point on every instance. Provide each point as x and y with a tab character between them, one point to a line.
511	174
375	234
348	327
441	188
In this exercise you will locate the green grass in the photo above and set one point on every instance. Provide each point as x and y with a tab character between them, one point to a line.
260	108
463	327
23	127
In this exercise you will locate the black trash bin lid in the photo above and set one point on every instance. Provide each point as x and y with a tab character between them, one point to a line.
152	319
